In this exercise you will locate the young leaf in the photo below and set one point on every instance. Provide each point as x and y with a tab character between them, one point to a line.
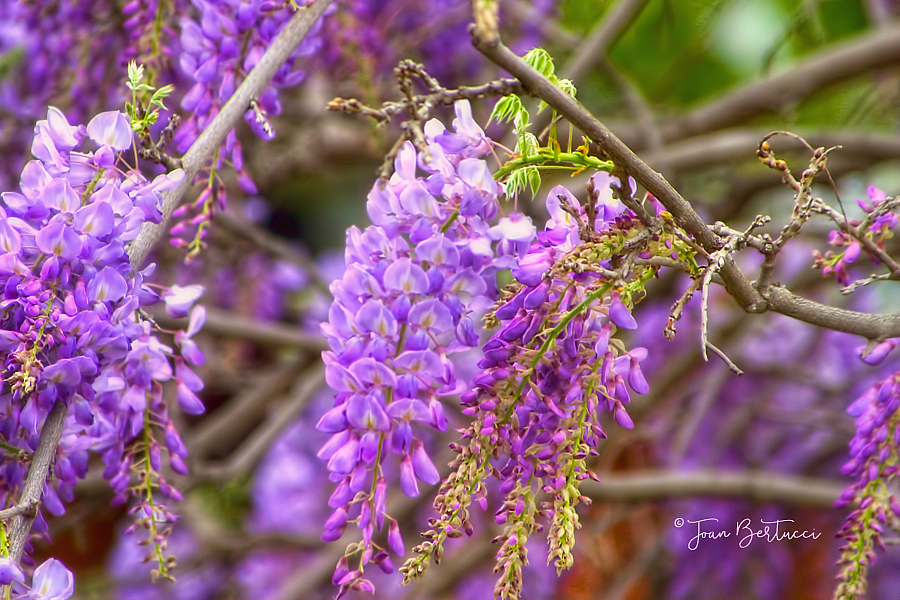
542	62
534	178
567	86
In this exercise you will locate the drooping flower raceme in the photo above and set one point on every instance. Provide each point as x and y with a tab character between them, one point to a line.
548	372
415	282
874	463
69	328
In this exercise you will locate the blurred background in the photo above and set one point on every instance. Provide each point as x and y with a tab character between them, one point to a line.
692	86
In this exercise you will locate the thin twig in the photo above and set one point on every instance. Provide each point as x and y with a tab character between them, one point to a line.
729	147
678	307
595	47
270	243
858	234
863	282
419	106
840	62
598	42
231	422
758	486
733	367
21	508
233	325
437	97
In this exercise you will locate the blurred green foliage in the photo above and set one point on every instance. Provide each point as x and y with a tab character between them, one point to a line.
678	54
673	52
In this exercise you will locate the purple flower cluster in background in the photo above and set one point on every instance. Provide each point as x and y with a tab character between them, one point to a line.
778	416
362	41
220	48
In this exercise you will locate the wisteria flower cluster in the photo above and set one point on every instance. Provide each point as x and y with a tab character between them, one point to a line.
414	282
874	464
548	372
70	327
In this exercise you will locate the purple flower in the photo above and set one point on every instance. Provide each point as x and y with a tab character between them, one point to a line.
619	314
878	353
73	298
548	371
60	240
180	299
52	581
111	129
10	571
875	442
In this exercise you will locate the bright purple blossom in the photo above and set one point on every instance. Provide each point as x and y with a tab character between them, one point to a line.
52	581
547	372
73	333
415	283
873	465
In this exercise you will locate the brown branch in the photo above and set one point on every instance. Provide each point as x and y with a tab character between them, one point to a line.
220	430
21	508
758	486
233	325
641	112
438	96
833	65
738	285
859	234
595	47
251	451
729	146
550	29
51	433
268	242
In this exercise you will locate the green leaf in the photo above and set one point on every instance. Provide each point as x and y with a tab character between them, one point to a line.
527	144
521	121
508	109
516	182
135	73
534	178
567	86
541	60
160	94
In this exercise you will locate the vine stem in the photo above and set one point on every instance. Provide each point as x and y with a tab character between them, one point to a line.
51	433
